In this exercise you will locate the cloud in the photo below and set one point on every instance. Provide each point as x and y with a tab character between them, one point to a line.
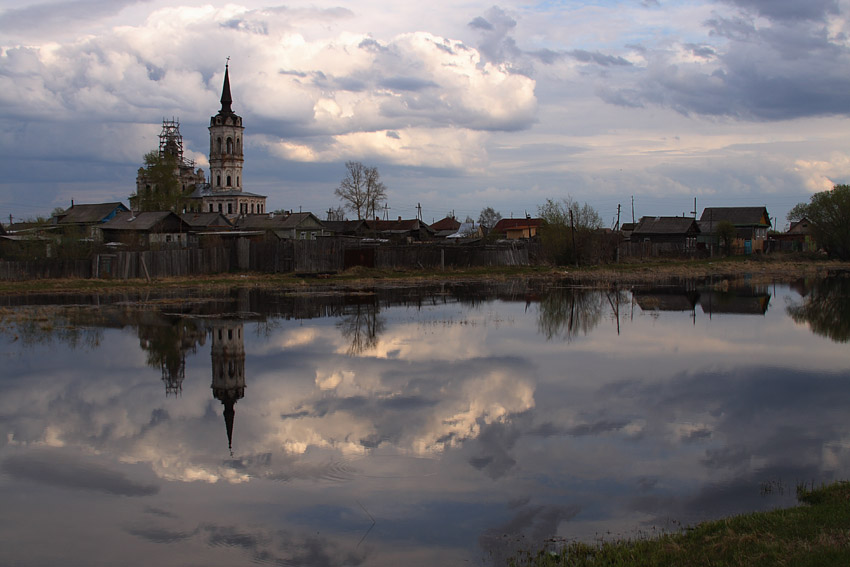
818	10
52	16
69	471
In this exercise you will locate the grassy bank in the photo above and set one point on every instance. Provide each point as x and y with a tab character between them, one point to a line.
766	269
815	533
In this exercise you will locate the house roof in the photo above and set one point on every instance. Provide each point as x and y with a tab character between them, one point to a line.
139	221
344	226
400	225
665	225
505	225
275	221
206	220
90	213
447	223
738	216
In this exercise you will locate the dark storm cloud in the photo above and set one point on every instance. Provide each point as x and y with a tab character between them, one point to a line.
159	535
790	9
788	69
598	58
407	84
67	471
52	14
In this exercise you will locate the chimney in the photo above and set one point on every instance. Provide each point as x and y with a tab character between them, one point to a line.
399	218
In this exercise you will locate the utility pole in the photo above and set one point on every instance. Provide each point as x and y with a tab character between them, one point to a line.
617	260
386	212
573	230
419	211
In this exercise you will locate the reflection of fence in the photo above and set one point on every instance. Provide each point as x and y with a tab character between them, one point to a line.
285	256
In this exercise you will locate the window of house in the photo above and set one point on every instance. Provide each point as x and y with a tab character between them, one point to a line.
312	236
303	235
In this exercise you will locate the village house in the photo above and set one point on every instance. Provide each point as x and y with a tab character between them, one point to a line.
161	229
84	220
515	229
751	225
293	226
673	233
401	230
445	227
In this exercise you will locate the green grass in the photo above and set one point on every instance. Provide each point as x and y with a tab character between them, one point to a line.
815	533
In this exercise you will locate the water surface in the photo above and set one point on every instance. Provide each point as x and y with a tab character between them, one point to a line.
442	425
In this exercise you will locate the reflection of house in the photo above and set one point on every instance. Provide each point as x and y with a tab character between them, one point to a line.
300	226
744	301
678	232
228	369
751	224
161	228
666	299
514	229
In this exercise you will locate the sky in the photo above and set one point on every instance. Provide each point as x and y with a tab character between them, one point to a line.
649	107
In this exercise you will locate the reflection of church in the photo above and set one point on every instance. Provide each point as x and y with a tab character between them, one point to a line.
228	369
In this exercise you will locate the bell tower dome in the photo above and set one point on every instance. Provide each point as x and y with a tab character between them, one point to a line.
226	143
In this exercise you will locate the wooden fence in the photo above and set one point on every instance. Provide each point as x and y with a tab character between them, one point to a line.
325	255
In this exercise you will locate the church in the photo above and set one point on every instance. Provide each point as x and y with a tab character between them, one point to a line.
222	192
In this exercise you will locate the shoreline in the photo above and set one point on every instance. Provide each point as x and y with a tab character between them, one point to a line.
756	270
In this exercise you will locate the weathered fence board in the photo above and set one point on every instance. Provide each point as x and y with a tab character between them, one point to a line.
285	256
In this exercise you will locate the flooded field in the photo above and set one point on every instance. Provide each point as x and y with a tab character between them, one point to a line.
444	424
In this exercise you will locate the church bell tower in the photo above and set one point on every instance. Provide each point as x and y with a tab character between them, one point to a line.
226	144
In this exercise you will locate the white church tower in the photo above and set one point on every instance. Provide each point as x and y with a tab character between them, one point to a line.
226	144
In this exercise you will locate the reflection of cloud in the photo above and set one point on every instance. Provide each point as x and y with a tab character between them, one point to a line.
70	471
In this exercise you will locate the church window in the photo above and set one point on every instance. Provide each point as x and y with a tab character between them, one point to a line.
219	207
229	208
237	181
252	207
230	145
218	180
238	146
218	145
211	207
228	181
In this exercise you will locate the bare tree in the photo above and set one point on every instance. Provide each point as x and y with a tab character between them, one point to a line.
488	218
361	189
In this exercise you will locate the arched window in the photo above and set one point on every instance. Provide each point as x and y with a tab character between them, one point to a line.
230	145
218	145
211	207
252	207
219	207
218	180
237	181
238	146
228	181
229	208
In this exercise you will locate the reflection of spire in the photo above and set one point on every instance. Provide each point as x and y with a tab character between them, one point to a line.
228	370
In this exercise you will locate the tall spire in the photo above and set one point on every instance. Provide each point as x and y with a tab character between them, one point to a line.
226	99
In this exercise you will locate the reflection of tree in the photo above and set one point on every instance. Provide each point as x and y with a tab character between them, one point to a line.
360	325
166	344
568	312
827	309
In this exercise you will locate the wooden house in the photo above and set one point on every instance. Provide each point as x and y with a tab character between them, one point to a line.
515	229
445	227
147	230
751	225
295	226
679	233
83	220
401	230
